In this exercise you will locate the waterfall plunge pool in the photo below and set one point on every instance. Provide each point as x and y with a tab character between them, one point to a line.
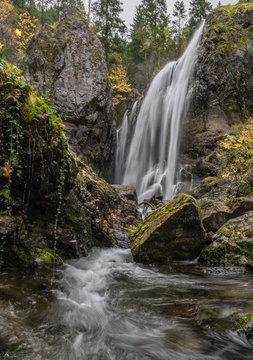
106	307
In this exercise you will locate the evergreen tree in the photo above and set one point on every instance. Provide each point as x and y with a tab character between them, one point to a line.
108	24
198	12
149	38
179	14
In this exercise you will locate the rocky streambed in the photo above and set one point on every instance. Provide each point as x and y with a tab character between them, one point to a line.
107	307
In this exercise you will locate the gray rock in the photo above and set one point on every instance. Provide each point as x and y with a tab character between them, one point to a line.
68	64
232	244
216	213
223	85
127	191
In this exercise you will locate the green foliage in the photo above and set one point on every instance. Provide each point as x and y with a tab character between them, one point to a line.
198	12
28	121
179	14
150	41
108	24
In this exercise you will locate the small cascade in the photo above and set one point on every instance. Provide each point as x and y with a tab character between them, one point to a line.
147	155
124	135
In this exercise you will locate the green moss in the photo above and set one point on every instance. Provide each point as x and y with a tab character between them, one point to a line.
159	215
46	257
224	30
26	256
227	233
245	319
156	255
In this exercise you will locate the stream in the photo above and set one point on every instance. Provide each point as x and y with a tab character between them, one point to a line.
106	307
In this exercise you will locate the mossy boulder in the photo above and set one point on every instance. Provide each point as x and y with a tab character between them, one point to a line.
172	232
232	244
223	81
67	63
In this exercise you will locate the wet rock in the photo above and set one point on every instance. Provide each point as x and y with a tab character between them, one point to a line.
128	192
232	244
223	79
245	322
67	63
172	232
216	213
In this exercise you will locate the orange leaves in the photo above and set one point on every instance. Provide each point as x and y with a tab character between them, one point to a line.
6	170
132	227
116	217
105	223
119	83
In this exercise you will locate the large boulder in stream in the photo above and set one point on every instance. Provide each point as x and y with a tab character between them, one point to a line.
67	63
232	244
223	85
172	232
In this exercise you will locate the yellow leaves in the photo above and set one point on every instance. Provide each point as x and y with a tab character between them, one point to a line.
18	32
239	148
119	83
25	29
5	9
1	47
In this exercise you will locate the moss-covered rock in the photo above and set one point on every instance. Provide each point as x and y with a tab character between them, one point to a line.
224	77
48	197
67	63
172	232
232	244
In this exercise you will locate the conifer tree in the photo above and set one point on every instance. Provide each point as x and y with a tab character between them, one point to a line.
198	12
108	24
179	14
149	37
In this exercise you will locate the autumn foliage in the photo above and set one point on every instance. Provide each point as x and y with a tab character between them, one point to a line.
25	30
119	83
238	147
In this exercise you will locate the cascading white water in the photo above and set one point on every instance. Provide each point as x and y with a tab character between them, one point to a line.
149	160
124	135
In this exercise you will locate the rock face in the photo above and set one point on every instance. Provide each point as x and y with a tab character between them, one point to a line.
223	85
232	244
172	232
68	65
48	197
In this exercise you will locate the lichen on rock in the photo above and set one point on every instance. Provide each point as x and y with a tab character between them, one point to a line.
232	244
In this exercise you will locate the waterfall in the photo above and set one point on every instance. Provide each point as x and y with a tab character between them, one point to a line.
148	160
124	135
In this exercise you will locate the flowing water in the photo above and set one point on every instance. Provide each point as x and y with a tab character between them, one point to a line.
106	307
150	158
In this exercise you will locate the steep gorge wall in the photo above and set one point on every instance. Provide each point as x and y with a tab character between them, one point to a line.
67	63
223	85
